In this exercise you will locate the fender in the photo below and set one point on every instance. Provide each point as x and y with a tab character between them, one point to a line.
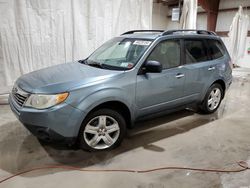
101	96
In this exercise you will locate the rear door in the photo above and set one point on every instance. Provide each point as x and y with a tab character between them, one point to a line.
198	68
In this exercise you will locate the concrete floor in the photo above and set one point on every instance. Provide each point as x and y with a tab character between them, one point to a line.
181	139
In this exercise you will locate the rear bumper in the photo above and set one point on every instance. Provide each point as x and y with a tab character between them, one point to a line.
59	123
229	82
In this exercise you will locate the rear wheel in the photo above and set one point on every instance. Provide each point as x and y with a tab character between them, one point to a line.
212	99
102	130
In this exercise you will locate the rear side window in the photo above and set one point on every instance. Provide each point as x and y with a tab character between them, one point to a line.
167	53
216	49
195	51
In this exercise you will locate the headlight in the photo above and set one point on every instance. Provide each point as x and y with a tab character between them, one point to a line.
40	101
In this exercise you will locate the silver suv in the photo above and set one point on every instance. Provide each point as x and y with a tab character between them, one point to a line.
140	73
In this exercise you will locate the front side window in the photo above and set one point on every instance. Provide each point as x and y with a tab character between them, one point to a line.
119	53
195	51
167	53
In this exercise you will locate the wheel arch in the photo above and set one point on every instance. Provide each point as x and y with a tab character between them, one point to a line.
116	105
219	81
203	104
222	84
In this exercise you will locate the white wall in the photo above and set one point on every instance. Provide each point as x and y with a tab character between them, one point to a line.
224	21
225	18
161	20
159	16
36	34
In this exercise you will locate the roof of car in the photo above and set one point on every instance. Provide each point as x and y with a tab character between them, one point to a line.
153	34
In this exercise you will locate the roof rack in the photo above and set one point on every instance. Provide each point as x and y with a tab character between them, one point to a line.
142	31
169	32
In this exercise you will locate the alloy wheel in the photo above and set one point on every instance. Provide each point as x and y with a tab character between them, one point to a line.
214	99
101	132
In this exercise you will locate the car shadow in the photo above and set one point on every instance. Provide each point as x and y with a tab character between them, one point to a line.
17	155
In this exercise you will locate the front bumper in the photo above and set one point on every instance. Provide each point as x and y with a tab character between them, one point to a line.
59	123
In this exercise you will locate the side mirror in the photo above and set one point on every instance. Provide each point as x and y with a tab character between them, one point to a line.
153	67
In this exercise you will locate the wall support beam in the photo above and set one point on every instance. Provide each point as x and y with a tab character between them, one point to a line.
211	7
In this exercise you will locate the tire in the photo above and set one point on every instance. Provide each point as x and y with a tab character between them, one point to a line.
101	130
212	99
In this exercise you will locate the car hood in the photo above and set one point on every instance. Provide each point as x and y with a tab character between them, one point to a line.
63	77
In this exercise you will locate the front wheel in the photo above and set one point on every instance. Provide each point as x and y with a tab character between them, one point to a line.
102	130
212	99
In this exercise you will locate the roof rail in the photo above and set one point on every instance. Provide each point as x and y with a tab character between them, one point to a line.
141	31
169	32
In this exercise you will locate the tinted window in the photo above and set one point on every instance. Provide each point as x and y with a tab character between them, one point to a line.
215	49
195	51
167	53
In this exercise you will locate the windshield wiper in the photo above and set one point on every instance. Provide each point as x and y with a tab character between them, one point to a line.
101	65
114	67
92	63
95	64
83	61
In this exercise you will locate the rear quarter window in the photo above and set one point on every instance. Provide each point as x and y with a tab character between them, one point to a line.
216	49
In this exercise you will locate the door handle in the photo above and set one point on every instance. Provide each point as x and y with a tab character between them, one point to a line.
179	75
211	68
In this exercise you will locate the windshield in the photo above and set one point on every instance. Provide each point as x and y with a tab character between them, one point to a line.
118	53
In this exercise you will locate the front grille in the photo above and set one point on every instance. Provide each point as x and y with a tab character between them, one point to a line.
19	95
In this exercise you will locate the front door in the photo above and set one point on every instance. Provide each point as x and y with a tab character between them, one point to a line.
159	91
